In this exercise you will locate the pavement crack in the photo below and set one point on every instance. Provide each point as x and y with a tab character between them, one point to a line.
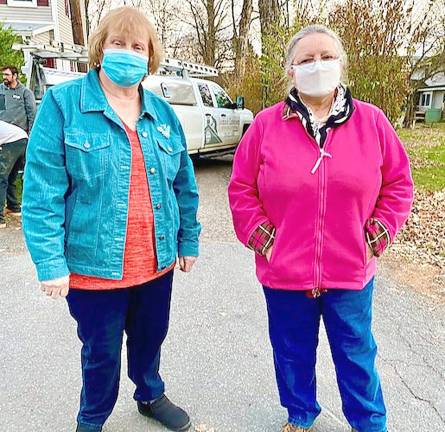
413	393
420	354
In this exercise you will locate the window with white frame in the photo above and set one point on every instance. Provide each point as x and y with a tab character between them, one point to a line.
22	3
425	99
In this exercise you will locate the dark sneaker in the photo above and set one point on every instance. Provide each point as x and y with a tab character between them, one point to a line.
166	413
84	428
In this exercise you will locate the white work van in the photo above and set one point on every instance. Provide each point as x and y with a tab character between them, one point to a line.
213	124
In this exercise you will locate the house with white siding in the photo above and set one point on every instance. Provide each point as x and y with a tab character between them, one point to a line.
432	95
43	22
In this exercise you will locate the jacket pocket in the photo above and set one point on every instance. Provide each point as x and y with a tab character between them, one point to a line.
170	155
82	233
87	155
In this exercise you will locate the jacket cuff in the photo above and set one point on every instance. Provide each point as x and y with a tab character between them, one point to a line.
50	270
377	236
262	238
188	248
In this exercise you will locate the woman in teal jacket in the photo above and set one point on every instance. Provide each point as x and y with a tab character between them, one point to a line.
110	201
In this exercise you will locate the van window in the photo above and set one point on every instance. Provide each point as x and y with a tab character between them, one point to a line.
222	98
205	95
174	92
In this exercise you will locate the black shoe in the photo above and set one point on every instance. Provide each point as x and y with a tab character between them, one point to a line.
166	413
81	428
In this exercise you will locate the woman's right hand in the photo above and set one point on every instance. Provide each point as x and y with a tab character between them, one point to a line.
56	288
269	253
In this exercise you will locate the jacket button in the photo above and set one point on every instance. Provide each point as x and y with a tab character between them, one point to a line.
170	149
144	134
152	170
87	145
158	206
161	237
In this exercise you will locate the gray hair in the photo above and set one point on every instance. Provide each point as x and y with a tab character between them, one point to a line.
316	28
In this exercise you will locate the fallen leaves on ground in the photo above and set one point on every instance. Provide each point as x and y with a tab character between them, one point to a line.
423	238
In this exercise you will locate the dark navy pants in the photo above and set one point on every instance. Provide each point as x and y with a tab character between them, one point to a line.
12	156
142	312
294	321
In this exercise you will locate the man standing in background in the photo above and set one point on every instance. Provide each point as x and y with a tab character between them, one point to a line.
17	112
13	142
17	103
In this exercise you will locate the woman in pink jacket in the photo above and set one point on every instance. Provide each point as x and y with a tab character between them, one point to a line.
321	185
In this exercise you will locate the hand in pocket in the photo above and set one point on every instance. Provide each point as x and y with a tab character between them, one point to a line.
269	253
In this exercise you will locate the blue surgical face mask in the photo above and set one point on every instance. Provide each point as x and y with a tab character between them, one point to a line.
125	68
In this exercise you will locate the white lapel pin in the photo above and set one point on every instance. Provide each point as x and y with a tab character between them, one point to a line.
165	130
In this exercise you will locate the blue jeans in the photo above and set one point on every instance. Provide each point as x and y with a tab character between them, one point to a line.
102	317
294	322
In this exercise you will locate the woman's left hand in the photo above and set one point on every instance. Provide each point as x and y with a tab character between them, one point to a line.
186	263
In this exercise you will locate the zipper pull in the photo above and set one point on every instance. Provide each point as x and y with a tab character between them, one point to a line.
323	154
316	292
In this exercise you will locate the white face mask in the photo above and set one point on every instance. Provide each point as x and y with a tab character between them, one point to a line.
318	78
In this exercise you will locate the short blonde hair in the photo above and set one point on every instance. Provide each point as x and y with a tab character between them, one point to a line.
125	20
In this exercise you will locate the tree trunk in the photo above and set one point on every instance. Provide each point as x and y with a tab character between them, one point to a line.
241	39
269	15
210	54
270	18
76	23
410	115
87	19
77	27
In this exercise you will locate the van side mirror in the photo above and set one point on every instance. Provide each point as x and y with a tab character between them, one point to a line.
240	102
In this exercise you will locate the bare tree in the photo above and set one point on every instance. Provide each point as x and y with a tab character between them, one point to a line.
241	35
95	11
426	54
209	20
382	39
270	15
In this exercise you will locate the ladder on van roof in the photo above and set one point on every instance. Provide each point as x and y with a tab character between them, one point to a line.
76	53
192	69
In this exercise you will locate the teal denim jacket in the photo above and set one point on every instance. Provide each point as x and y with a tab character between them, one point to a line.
77	179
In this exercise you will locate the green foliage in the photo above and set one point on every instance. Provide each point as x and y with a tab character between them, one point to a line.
426	148
248	85
380	80
8	56
273	78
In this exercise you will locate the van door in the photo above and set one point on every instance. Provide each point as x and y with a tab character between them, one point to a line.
230	118
217	131
180	94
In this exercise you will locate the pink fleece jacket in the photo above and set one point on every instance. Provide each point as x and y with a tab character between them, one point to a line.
319	200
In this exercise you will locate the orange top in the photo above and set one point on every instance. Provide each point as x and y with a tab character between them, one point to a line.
140	263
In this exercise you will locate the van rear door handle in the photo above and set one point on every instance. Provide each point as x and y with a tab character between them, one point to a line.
223	115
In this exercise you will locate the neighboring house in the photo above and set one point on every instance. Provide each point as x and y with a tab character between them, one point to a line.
432	95
42	22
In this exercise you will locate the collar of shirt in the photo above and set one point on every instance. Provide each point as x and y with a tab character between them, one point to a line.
93	98
341	110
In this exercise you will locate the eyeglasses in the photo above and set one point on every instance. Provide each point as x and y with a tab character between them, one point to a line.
312	61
